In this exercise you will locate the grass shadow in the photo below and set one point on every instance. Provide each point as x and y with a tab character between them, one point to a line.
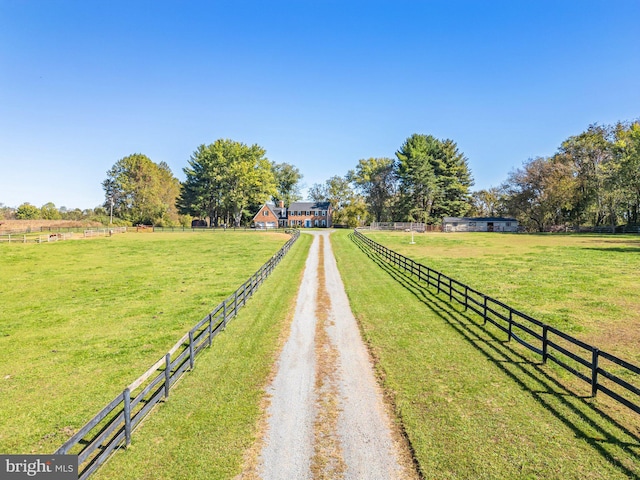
608	437
615	249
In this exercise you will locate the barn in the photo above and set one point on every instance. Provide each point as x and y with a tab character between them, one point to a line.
479	224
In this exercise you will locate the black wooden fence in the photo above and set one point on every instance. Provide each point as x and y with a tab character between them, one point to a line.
113	425
601	370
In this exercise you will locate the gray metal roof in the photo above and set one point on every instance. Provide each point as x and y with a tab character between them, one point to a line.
309	206
478	219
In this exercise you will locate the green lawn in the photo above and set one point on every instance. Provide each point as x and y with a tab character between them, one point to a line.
471	404
205	427
80	320
586	285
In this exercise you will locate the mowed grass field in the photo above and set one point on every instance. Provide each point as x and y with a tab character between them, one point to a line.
586	285
473	405
80	320
209	424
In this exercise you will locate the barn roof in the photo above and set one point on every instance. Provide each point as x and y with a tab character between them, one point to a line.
478	219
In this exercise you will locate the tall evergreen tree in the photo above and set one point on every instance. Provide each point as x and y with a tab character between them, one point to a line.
434	179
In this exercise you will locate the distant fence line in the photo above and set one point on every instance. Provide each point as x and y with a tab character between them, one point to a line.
113	425
405	226
577	357
28	237
217	229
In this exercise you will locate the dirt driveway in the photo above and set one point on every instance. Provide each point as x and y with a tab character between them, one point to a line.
326	415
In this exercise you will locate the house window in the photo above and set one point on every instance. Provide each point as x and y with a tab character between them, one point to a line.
324	223
324	213
472	224
265	213
308	213
508	224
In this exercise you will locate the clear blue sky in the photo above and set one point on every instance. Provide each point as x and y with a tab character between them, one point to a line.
319	84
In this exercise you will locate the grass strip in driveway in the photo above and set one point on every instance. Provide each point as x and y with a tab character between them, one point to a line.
205	426
471	406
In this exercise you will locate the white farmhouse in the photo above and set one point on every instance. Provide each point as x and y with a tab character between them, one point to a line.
479	224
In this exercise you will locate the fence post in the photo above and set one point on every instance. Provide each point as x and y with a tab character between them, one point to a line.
510	324
224	314
545	346
191	350
594	372
235	303
126	396
450	290
439	274
167	374
210	329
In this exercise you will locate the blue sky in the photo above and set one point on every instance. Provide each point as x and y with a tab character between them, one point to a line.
318	84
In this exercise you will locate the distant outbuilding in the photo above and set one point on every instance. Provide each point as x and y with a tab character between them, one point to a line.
479	224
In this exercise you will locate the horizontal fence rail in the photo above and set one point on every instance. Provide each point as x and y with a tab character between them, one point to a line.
30	237
604	372
112	426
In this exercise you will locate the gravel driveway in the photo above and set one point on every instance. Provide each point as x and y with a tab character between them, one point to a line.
327	418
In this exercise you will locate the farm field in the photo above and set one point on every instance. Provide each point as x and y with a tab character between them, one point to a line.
586	285
82	319
471	404
207	424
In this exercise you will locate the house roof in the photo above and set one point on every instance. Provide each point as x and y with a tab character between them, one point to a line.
309	206
277	211
478	219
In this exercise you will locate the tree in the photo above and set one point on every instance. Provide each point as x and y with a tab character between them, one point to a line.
627	153
318	193
539	193
26	211
434	179
223	179
49	212
487	203
141	191
6	212
587	152
344	201
454	179
287	179
376	179
169	189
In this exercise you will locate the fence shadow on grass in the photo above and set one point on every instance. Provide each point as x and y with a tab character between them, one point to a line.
615	442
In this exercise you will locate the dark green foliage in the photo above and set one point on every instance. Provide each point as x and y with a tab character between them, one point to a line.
224	179
141	191
434	179
26	211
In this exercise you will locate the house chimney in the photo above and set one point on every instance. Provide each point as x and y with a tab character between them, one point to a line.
281	204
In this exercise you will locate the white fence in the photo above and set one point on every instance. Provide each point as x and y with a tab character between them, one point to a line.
404	226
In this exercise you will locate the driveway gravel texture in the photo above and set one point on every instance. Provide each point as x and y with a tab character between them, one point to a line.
326	414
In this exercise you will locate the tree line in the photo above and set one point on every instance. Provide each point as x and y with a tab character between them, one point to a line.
225	183
592	180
